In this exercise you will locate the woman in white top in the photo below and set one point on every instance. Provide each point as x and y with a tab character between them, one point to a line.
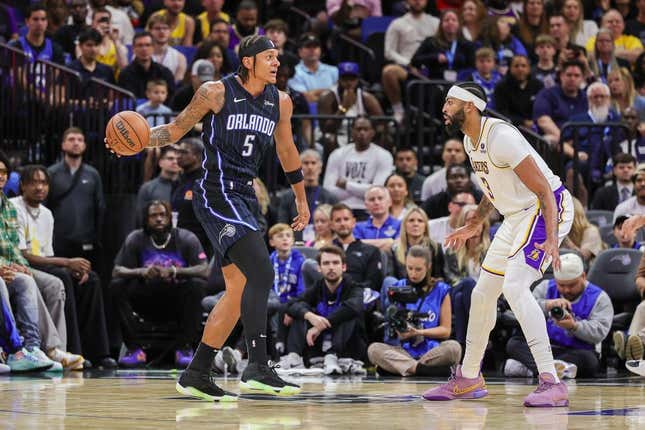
472	16
581	29
163	53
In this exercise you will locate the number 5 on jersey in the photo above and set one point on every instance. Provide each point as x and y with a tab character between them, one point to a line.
248	145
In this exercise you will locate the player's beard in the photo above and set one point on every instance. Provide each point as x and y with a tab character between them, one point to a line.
456	122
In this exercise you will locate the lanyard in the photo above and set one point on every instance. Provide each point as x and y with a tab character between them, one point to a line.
450	55
281	282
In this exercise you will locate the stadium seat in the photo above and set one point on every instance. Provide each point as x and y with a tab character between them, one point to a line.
307	251
607	234
375	24
599	217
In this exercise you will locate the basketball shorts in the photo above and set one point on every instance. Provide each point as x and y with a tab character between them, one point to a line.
514	242
226	217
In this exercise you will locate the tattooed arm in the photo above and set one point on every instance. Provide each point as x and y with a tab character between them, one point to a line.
484	209
209	97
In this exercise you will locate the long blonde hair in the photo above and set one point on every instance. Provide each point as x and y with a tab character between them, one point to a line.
593	56
577	26
630	91
580	223
402	243
325	209
463	252
262	194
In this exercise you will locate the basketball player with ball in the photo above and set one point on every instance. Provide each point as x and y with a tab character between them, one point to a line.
538	213
241	113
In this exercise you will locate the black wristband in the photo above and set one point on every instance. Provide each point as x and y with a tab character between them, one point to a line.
294	176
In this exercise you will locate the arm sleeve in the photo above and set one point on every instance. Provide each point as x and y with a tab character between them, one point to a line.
391	43
425	55
506	145
350	308
334	164
596	328
21	224
303	304
127	256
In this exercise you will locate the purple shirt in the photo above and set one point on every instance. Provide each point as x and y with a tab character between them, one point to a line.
555	104
235	39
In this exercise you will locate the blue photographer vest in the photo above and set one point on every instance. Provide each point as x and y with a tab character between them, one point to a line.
581	310
287	281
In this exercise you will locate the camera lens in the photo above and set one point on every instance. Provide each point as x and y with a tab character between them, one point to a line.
558	313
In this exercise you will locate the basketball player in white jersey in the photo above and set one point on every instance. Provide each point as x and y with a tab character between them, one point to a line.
538	213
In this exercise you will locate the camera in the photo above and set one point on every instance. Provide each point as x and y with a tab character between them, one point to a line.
397	317
558	313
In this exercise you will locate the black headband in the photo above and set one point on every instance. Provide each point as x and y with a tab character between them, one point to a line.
262	44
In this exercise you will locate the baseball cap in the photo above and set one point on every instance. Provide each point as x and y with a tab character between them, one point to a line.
204	70
348	68
308	39
571	267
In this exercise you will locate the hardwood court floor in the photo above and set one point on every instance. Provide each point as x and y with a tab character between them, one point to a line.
148	400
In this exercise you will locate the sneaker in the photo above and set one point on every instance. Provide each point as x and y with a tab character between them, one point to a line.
619	343
458	387
331	365
515	369
233	359
349	366
108	363
66	359
317	362
565	369
41	356
636	366
548	394
634	348
263	379
183	357
293	360
23	361
202	386
4	368
133	358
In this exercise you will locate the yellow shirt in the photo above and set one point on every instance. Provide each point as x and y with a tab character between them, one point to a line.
625	41
205	24
109	58
176	34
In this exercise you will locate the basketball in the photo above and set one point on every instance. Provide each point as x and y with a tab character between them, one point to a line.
127	133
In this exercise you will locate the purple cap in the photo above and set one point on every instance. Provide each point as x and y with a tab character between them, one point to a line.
348	68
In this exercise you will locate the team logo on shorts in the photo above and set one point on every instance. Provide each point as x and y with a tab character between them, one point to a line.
228	231
534	255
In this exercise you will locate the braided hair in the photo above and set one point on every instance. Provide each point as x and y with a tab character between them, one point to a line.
242	71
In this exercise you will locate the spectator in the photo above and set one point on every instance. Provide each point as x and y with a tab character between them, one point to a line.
189	159
181	25
316	195
162	52
625	239
634	205
630	345
574	337
399	196
67	35
636	26
473	14
341	11
143	68
532	23
277	31
380	229
498	36
627	47
112	52
554	106
415	231
213	52
89	42
76	201
452	153
584	237
154	110
466	262
402	38
161	187
287	284
35	44
323	235
302	127
329	315
133	9
201	71
363	261
35	289
544	70
515	94
486	74
609	196
406	164
312	77
446	53
603	59
84	298
160	273
635	142
621	85
220	34
120	20
346	99
560	31
457	182
246	23
425	344
352	169
439	228
581	29
212	11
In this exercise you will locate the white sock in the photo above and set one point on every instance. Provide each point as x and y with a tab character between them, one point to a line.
481	320
397	107
517	282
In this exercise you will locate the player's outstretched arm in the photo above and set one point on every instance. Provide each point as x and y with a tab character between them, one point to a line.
290	160
457	238
210	96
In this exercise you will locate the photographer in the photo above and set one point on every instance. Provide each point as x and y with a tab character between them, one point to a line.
579	316
415	341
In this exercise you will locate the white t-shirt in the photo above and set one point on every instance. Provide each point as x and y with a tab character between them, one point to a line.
629	207
170	59
501	147
405	34
436	183
36	228
360	169
439	228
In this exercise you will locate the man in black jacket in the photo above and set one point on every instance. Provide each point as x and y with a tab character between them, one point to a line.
458	181
515	94
329	316
609	196
143	68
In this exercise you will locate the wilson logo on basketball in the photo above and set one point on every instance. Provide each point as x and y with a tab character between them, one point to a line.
124	133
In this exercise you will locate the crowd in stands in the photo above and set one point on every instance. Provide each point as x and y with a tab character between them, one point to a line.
369	280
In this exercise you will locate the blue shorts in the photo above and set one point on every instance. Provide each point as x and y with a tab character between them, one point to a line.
226	216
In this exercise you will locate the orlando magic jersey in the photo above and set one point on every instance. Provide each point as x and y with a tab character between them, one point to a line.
236	137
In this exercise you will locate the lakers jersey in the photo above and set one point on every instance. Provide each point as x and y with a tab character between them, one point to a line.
236	137
500	148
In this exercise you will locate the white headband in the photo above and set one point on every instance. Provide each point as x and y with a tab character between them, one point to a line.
466	96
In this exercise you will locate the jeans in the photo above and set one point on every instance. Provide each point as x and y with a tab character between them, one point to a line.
23	294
